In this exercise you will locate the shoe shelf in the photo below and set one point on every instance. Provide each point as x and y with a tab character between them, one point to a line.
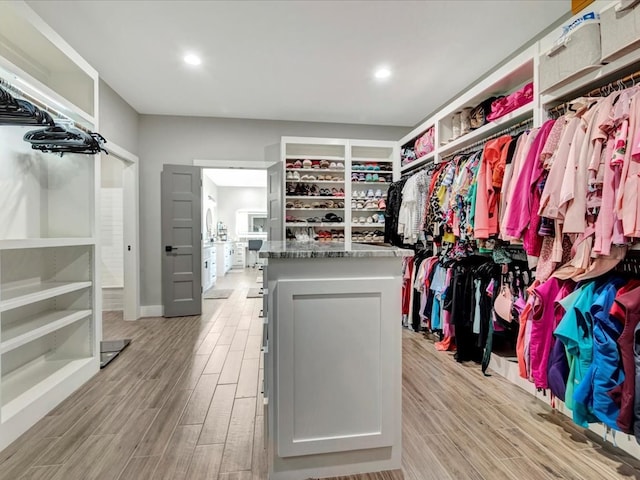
315	224
329	158
366	160
313	197
314	209
367	225
371	183
316	170
315	181
360	157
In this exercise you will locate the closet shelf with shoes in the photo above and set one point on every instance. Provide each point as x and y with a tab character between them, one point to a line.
314	224
315	170
306	161
312	180
309	197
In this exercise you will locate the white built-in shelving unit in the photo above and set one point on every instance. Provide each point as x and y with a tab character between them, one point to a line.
50	324
366	157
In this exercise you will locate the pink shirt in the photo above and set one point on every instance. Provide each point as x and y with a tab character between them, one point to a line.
520	206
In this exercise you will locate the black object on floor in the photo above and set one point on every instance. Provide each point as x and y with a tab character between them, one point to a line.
110	349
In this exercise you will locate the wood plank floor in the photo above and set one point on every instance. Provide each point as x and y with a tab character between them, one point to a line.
183	402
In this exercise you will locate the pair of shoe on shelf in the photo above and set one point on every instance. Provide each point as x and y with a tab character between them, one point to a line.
330	236
370	204
375	218
376	236
319	164
312	190
368	193
368	177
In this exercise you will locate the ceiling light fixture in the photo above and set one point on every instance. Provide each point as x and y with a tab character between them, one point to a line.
382	73
192	59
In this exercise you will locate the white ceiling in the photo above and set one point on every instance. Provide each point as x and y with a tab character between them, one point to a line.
296	60
237	177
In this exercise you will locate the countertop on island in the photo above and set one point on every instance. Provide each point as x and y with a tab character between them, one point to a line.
292	249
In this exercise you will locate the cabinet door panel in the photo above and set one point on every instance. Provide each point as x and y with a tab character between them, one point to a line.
336	340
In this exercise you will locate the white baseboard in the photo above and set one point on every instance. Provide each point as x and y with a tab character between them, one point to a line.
151	311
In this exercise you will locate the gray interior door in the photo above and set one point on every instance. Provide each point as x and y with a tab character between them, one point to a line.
181	241
274	202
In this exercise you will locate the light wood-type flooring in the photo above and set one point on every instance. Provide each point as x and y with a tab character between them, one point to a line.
183	402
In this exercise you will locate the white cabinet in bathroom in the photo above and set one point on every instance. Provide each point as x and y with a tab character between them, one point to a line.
224	258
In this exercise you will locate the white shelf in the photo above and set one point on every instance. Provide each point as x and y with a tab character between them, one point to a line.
366	225
31	328
14	244
316	170
312	197
371	160
315	157
356	210
507	121
25	295
370	183
33	380
315	209
418	161
314	224
315	181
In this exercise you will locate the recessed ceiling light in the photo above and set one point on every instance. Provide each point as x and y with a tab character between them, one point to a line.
192	59
382	73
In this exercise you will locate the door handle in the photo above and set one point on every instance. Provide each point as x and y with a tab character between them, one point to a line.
169	248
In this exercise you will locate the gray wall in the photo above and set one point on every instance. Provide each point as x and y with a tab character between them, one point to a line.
180	140
118	120
232	199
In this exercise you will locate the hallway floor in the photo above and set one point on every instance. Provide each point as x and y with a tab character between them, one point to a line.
183	402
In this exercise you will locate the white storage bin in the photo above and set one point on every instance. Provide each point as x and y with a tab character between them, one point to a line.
620	29
580	54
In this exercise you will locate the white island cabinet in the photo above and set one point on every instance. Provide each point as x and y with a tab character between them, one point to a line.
333	359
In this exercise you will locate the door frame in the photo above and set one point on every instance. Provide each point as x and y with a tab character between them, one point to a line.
131	229
236	165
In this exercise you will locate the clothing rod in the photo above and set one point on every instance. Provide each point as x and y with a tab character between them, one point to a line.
41	105
596	92
525	123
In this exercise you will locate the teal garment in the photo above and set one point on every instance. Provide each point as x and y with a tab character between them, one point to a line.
473	193
575	331
591	398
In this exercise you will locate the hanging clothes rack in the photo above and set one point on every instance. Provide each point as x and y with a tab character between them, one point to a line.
603	90
512	130
9	87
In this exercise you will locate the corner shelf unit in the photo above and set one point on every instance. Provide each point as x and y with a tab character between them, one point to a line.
50	301
357	156
510	77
